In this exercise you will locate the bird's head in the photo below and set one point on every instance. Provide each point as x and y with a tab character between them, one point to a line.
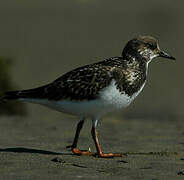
144	48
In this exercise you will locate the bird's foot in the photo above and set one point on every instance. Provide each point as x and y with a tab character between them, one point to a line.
108	155
89	153
82	152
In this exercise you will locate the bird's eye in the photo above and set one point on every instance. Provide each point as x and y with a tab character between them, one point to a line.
151	45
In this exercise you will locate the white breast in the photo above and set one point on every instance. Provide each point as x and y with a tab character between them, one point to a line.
116	99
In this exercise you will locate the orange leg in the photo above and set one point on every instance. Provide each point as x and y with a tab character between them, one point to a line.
95	138
99	151
75	141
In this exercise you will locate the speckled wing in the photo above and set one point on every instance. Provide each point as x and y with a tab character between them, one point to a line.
83	83
80	84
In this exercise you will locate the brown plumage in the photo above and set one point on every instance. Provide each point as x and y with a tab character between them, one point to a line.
84	83
96	89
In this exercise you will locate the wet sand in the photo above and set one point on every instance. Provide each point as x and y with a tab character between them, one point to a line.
34	148
45	40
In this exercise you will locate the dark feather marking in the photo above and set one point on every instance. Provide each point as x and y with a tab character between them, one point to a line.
84	83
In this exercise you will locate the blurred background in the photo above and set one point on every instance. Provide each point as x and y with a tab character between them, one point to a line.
44	39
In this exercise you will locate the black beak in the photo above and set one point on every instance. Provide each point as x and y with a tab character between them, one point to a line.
165	55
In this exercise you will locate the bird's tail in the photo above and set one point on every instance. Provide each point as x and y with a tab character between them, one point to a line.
11	95
23	94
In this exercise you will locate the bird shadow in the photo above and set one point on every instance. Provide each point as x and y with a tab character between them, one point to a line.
33	151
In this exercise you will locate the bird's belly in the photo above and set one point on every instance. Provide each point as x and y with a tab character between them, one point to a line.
110	99
93	108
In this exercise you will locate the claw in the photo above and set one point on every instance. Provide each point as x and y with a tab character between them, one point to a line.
89	149
108	155
81	152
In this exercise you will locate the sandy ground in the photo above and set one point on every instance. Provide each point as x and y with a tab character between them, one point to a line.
47	38
154	148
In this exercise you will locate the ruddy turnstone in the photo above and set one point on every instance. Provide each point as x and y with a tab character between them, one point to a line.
94	90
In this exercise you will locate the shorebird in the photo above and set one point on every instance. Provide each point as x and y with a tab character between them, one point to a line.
96	89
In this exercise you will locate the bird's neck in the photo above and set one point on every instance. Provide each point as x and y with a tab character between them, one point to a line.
131	55
135	75
137	65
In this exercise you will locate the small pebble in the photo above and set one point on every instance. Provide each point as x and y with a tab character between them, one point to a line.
122	161
181	173
146	168
58	159
77	165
